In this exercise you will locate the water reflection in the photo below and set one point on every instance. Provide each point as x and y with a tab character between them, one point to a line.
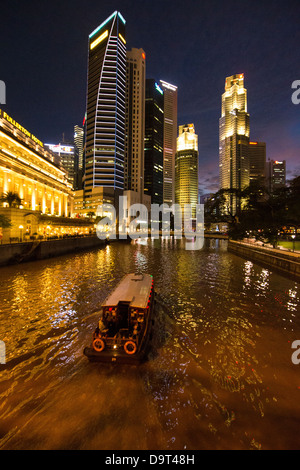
293	301
220	375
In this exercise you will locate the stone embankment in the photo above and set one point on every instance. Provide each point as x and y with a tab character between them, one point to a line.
284	262
21	252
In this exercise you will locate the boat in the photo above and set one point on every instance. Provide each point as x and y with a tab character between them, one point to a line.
124	330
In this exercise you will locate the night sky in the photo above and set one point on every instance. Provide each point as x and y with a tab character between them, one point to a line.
194	44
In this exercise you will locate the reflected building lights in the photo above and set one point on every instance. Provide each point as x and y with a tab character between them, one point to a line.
248	269
293	301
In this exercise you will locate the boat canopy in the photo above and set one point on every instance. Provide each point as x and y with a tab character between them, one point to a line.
133	289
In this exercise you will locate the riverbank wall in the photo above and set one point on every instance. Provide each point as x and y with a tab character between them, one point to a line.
284	262
36	250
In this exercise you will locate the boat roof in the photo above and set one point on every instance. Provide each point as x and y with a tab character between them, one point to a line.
133	288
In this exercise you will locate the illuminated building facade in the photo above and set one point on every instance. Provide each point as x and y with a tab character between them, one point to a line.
135	121
186	167
154	142
89	205
105	126
33	172
30	170
234	131
170	136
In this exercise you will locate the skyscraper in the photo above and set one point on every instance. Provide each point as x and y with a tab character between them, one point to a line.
105	128
170	136
154	142
234	131
257	162
135	121
186	167
276	174
78	144
66	157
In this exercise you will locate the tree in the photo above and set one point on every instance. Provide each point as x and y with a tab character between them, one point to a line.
12	199
261	214
293	206
4	221
219	208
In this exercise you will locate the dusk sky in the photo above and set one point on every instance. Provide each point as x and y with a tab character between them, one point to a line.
193	44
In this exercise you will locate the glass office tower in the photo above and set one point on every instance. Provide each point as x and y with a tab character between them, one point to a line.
79	145
105	126
170	137
154	142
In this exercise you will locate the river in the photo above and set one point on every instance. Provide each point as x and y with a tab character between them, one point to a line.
220	375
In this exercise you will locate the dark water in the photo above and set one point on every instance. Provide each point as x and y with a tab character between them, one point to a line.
220	375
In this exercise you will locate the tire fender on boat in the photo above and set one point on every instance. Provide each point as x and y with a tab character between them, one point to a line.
98	344
130	347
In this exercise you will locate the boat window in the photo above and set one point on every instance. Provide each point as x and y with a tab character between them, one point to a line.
123	312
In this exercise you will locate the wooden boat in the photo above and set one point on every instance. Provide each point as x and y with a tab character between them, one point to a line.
126	318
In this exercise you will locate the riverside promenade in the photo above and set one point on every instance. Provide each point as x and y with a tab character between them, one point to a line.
29	251
285	262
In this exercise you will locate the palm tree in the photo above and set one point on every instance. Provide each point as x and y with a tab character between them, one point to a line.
12	199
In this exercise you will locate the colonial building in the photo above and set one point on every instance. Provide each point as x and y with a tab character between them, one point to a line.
33	173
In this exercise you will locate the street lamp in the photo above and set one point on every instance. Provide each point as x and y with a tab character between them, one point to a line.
293	237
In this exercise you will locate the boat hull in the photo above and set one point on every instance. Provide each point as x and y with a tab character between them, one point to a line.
120	356
115	357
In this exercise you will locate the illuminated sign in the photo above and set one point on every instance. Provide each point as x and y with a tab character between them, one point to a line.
60	148
20	128
159	89
168	86
99	39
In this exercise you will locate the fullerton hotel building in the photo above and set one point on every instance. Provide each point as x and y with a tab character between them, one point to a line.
28	169
34	173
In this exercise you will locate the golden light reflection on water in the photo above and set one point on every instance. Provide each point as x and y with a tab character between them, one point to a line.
220	375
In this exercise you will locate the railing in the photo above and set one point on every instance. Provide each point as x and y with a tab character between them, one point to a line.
16	240
279	253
